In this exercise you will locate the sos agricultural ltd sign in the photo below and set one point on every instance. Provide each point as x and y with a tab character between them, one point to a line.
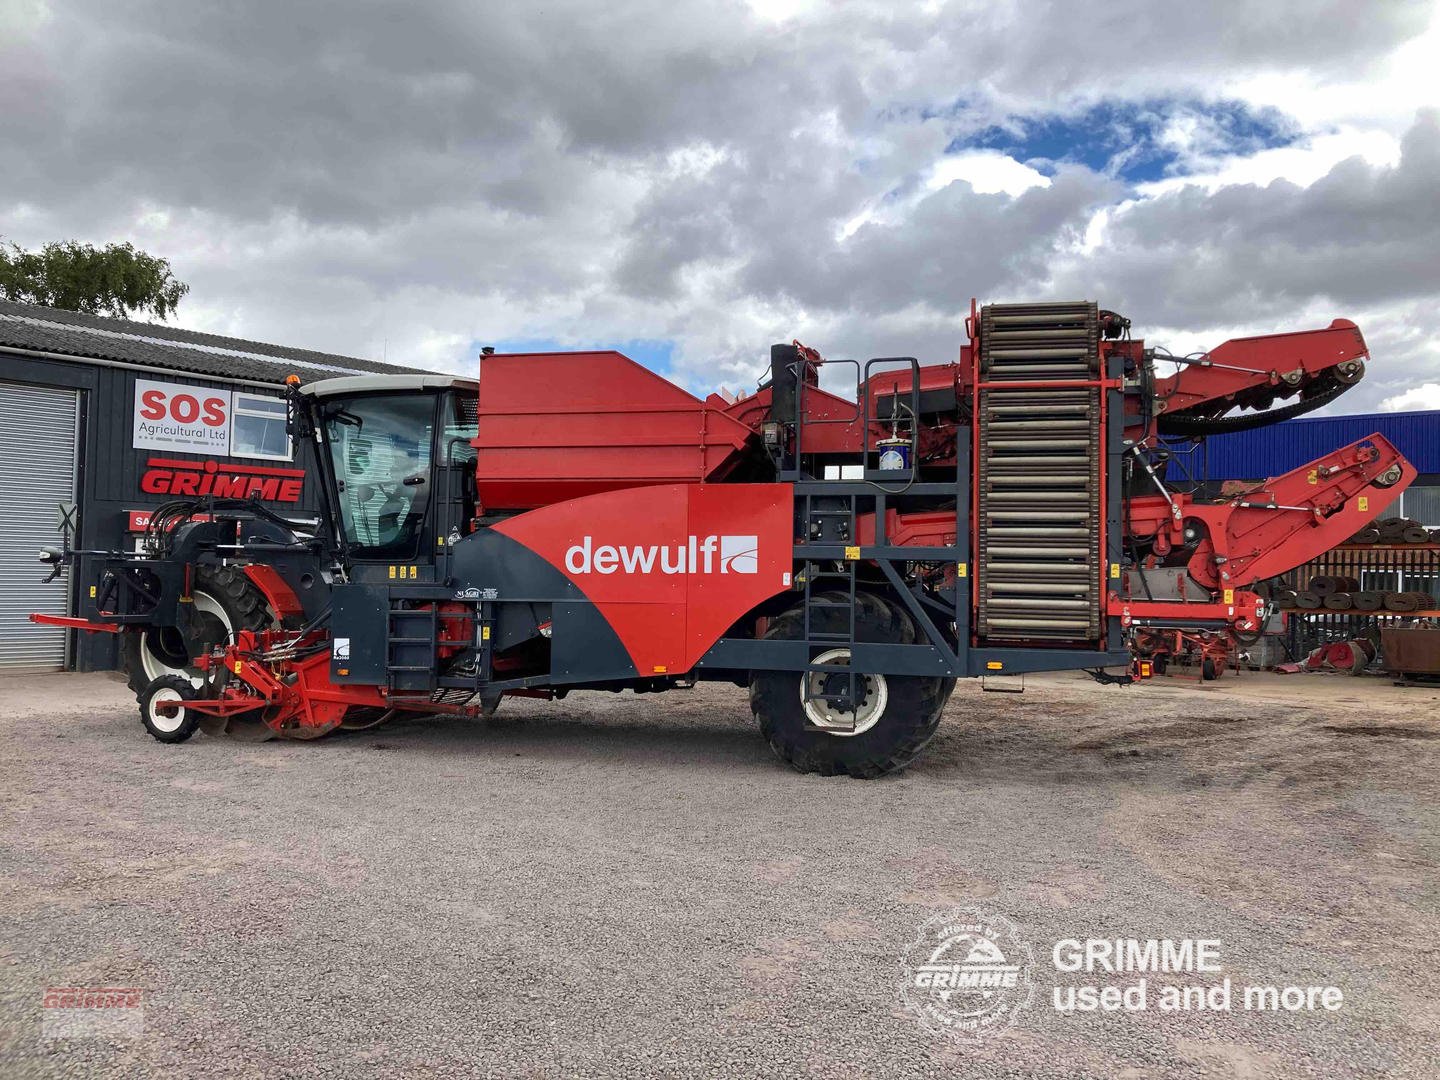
201	420
192	419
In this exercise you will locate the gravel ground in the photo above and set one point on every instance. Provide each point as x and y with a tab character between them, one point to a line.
622	886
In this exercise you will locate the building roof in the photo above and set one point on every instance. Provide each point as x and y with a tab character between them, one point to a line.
44	329
1270	451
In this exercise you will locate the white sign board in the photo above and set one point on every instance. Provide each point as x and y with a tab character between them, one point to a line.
189	419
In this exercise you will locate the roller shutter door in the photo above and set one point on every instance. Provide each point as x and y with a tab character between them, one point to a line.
37	472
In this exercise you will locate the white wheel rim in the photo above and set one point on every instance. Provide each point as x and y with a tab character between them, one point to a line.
874	692
168	723
155	667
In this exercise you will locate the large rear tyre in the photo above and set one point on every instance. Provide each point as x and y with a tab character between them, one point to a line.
225	602
882	730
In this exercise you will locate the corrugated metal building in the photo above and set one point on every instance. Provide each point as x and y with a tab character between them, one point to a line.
117	417
1270	451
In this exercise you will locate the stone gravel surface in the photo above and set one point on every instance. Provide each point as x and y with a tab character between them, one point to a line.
631	886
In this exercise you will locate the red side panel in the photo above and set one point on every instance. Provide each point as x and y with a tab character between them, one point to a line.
557	426
672	567
834	425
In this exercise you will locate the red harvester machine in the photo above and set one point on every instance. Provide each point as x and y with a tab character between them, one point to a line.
575	521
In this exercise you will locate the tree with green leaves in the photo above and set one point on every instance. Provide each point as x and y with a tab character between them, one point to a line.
114	280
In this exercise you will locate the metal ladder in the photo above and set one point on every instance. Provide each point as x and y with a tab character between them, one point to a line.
413	642
409	635
830	639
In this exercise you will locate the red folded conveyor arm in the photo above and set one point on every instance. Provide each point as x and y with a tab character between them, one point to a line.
1282	523
1255	371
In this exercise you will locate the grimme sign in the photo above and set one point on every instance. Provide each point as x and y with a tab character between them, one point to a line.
218	423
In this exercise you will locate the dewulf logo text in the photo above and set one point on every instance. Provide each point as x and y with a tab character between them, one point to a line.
707	555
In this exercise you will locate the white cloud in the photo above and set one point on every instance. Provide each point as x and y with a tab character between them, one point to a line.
1424	396
722	175
987	171
1383	94
1302	163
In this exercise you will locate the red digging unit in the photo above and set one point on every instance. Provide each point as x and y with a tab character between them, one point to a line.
556	426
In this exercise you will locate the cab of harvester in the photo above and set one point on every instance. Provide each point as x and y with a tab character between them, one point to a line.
845	542
396	466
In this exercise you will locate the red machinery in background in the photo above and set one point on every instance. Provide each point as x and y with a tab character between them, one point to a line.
1186	574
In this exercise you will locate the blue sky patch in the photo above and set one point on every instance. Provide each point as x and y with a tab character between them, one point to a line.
1127	140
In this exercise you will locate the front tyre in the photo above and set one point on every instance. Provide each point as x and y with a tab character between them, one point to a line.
176	723
810	719
224	602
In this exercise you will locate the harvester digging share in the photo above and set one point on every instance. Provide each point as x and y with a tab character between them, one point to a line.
575	521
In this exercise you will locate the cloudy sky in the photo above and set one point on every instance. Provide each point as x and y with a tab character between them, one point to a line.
690	181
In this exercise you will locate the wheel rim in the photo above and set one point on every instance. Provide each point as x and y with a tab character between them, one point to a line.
156	666
168	723
827	716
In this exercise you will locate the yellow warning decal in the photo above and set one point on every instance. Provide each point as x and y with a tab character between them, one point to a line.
413	571
1312	477
1114	569
852	553
485	633
239	664
392	573
1229	596
961	569
92	592
1363	503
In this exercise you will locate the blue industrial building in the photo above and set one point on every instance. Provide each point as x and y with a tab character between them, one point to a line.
1270	451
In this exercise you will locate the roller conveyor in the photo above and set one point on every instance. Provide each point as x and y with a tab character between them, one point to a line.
1038	514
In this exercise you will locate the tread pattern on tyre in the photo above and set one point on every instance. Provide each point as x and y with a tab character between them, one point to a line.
244	603
910	720
181	686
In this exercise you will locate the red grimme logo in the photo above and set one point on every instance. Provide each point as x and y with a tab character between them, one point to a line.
168	476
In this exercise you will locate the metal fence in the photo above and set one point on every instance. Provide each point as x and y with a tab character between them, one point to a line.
1378	568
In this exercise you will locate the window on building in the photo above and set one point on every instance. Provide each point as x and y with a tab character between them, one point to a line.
257	428
1421	581
1379	581
1423	504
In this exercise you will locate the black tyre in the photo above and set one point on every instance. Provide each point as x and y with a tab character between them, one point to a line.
910	634
881	732
1209	670
169	727
226	602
